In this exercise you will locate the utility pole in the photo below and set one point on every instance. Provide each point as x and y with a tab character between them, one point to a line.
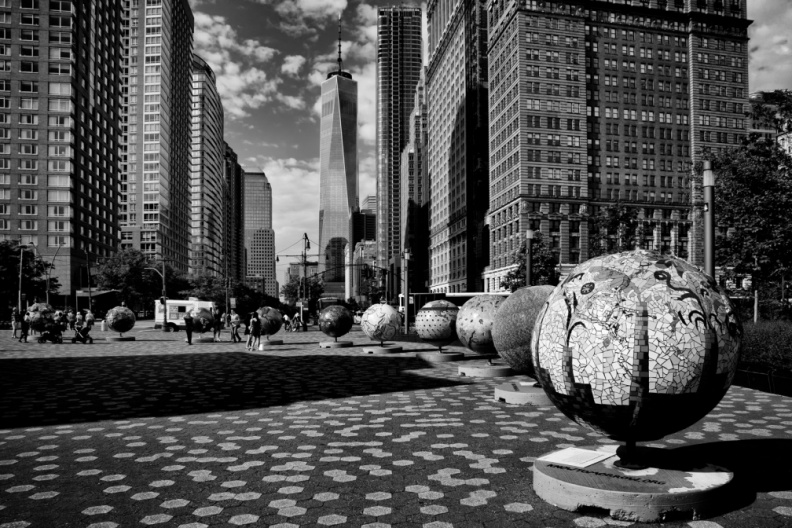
21	253
529	236
304	279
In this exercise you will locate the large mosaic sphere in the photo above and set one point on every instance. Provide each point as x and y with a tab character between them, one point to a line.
203	320
514	326
271	320
41	316
120	319
335	321
636	345
435	323
474	323
381	322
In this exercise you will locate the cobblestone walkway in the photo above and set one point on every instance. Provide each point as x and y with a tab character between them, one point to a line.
154	432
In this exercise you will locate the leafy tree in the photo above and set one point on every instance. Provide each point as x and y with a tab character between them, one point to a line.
211	288
34	276
543	269
753	197
615	229
291	290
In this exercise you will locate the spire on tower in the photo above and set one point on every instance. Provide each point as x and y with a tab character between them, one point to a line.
339	42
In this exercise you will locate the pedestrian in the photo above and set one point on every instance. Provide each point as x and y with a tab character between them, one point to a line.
25	326
217	325
296	322
70	319
286	322
188	327
255	332
16	322
235	327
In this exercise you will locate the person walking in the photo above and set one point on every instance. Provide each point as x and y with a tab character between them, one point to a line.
254	340
70	319
235	327
217	325
24	327
286	323
188	327
16	323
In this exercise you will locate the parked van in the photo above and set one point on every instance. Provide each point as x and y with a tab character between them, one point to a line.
176	310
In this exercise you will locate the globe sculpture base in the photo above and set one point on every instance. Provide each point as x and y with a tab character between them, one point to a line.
522	393
270	343
654	494
119	338
486	370
335	344
384	349
439	357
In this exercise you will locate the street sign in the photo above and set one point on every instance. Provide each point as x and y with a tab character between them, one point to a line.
233	302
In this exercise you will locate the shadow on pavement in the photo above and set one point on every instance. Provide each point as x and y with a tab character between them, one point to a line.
49	391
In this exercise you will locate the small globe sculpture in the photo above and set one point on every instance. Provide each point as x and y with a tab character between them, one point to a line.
474	323
636	346
41	316
514	325
271	320
202	320
335	321
120	319
381	322
435	323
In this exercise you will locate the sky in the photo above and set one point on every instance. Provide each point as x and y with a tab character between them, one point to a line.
271	56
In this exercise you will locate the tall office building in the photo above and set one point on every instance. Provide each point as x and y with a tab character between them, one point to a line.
399	62
456	84
234	215
259	236
369	203
590	107
60	66
155	152
338	173
208	185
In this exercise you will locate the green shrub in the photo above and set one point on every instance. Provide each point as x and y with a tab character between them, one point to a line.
767	345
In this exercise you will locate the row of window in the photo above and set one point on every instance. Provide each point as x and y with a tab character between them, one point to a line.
33	194
33	164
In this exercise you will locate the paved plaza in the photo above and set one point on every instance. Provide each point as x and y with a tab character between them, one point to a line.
155	432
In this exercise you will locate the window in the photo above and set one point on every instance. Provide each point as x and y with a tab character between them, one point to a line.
28	103
58	166
57	21
60	121
28	119
57	68
57	196
30	4
59	88
27	133
29	35
5	85
28	86
28	164
59	105
60	54
28	225
60	37
28	210
57	226
5	225
30	149
29	19
59	136
60	151
54	180
28	194
5	194
28	179
28	67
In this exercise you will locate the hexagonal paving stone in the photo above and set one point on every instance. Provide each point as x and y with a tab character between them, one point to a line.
175	503
97	510
325	496
156	519
431	495
376	525
243	519
292	511
145	495
518	507
331	520
433	509
377	511
282	503
378	496
438	524
207	511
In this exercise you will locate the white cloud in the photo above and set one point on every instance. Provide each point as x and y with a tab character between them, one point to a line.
306	17
770	61
295	103
292	64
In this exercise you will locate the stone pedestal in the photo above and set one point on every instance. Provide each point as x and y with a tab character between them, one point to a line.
521	393
439	357
386	349
335	344
114	339
485	370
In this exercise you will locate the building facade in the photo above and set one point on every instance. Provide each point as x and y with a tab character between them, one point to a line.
155	183
259	236
369	203
234	215
208	184
590	107
456	83
338	173
399	63
60	94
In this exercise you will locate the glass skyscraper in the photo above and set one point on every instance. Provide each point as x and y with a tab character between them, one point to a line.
259	236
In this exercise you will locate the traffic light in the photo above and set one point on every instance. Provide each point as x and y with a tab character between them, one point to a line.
162	300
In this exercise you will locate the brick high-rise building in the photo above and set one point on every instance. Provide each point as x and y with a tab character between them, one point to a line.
155	152
594	103
399	63
456	86
60	69
208	184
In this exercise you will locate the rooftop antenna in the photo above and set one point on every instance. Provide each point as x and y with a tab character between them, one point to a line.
339	43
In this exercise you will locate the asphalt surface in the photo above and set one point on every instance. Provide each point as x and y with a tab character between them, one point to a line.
155	432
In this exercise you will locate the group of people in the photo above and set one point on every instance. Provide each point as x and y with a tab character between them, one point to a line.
234	322
79	322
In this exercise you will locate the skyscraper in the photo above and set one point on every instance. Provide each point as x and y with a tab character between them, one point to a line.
589	108
60	67
399	62
456	84
208	184
155	152
234	215
338	173
259	236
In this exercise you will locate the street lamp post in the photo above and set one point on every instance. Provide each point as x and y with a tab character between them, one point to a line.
709	219
529	237
19	302
164	296
303	282
49	270
406	292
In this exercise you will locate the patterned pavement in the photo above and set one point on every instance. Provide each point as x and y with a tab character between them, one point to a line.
154	432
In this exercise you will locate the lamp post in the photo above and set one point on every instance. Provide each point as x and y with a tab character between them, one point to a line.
164	296
406	291
709	219
21	254
303	281
529	237
49	270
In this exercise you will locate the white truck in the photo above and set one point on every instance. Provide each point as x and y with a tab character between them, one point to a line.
176	310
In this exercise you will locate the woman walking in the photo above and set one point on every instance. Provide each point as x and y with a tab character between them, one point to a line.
235	327
255	332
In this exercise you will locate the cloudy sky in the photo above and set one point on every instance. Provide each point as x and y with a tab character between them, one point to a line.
270	57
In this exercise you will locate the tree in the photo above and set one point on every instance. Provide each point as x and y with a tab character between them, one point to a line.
753	197
291	290
34	275
615	229
211	288
543	269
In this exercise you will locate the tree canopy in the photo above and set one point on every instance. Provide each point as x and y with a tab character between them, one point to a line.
34	274
615	229
543	270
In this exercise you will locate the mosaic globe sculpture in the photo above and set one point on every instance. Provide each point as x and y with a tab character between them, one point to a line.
636	345
335	321
381	322
41	316
435	323
120	319
475	320
271	320
202	320
514	326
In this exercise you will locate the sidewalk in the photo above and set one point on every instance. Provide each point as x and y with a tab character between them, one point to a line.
155	432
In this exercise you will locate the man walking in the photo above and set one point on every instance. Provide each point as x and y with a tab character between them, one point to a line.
188	327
